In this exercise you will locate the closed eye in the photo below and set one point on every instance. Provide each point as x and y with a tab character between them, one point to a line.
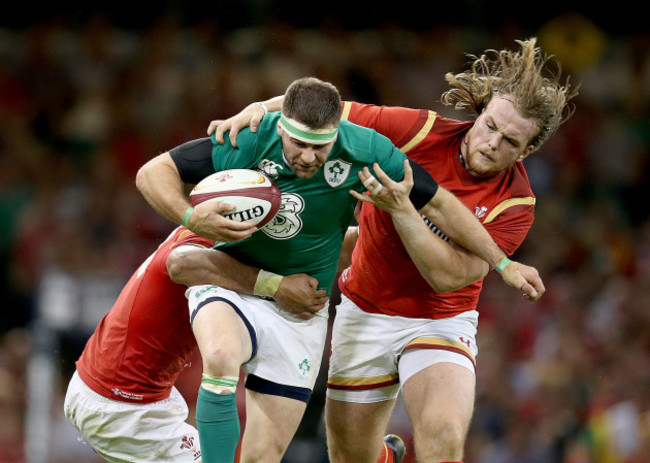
493	128
514	143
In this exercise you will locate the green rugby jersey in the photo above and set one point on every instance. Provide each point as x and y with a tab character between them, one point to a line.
307	233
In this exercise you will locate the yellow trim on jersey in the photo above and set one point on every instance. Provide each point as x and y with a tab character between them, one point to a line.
347	107
426	128
528	201
182	234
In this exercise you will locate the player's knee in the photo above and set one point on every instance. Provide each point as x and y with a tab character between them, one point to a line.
341	453
218	361
440	441
267	454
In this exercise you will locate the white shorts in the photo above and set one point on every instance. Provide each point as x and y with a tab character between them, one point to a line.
126	432
287	350
372	354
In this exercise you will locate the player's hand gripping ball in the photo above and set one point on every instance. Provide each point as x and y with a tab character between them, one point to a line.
255	196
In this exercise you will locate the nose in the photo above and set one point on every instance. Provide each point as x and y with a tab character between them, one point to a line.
308	155
494	140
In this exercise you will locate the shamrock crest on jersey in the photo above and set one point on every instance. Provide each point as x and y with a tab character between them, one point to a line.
336	172
304	367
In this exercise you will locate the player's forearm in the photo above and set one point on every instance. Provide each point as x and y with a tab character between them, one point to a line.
192	265
160	184
442	266
458	223
274	104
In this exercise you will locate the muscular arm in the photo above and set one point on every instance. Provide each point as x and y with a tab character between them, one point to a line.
161	185
250	116
456	221
444	266
193	265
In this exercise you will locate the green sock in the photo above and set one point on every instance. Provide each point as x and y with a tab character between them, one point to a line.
218	424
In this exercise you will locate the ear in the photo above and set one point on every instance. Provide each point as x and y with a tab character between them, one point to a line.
279	129
527	152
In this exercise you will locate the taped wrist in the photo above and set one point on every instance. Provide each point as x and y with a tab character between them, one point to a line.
267	284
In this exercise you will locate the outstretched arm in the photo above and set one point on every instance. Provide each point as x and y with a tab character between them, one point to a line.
250	116
193	265
444	266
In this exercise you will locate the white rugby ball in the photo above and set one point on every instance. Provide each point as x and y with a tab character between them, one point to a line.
255	196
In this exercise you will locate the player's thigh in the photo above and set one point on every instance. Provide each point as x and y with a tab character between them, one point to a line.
440	398
222	334
355	430
271	422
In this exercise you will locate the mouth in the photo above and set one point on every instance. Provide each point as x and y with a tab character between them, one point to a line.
307	166
486	156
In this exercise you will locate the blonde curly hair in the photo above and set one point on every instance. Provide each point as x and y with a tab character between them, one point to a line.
524	76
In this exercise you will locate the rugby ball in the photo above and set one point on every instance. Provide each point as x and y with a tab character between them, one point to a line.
255	196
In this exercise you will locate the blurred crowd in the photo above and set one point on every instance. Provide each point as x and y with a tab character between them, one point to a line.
83	105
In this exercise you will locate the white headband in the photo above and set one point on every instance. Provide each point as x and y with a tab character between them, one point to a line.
301	132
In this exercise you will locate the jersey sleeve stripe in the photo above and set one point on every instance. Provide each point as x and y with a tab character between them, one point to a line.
418	131
527	201
347	107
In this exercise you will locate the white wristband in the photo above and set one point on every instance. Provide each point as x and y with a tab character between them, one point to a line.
267	284
266	110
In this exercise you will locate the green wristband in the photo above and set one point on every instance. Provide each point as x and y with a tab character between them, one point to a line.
503	264
187	215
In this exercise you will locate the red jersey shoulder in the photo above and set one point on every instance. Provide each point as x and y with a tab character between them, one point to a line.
511	211
513	195
413	131
519	183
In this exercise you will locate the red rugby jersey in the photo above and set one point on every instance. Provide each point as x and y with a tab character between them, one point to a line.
382	277
143	343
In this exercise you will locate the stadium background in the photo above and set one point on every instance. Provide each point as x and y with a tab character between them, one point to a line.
89	93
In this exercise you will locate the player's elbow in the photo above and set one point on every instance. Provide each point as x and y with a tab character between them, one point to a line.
141	177
152	169
445	281
442	285
174	267
179	266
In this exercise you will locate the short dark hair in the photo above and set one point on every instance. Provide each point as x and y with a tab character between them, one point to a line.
315	103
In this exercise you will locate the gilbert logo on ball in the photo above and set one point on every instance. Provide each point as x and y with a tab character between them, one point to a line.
255	196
